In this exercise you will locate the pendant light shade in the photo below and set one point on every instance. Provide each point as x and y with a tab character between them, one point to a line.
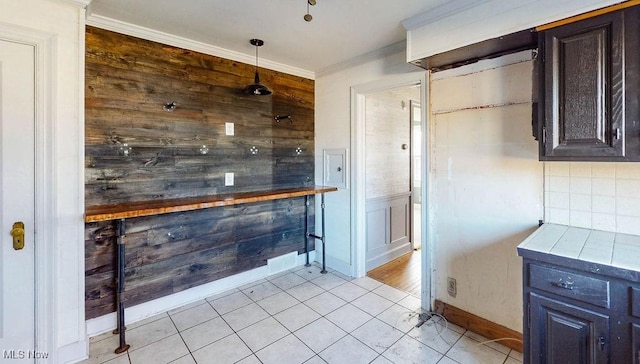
256	88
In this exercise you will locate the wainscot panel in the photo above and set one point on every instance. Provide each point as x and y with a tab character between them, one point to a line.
135	150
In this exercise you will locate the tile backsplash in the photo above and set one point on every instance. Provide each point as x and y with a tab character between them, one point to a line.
603	196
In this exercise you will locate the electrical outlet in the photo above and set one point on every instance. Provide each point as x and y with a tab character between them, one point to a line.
228	179
228	128
452	288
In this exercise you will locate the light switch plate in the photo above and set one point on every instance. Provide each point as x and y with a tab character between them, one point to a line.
228	179
228	128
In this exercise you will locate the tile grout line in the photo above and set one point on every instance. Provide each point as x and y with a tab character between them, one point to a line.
292	332
254	353
180	333
298	301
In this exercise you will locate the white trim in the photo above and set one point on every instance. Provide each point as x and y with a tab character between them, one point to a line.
69	353
302	259
139	312
428	205
445	10
46	241
82	336
367	57
79	3
358	232
337	265
184	43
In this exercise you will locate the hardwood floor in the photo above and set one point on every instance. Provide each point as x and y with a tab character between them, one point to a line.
403	273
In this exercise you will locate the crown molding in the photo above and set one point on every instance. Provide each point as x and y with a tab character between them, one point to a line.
80	3
440	12
394	48
185	43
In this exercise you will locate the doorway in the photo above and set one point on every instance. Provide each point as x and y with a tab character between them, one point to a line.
359	95
393	179
389	175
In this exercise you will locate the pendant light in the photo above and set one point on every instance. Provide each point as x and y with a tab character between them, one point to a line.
256	88
307	17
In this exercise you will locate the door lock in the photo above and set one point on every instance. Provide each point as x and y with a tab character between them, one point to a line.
18	235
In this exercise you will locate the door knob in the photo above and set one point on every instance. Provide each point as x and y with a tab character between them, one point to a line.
18	235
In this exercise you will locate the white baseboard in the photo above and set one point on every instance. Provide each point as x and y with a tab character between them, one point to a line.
74	352
107	322
338	265
302	259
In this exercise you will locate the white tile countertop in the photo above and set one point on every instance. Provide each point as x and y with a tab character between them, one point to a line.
592	246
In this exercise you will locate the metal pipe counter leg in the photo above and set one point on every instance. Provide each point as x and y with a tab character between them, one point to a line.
315	236
120	288
324	269
306	229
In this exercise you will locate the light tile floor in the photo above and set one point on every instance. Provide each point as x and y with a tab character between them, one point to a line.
300	316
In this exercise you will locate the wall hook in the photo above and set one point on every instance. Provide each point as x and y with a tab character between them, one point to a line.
170	106
124	150
280	117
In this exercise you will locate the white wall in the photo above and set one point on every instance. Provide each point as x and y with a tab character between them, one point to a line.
333	130
603	196
64	21
486	185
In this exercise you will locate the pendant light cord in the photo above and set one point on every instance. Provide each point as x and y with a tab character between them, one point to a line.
256	58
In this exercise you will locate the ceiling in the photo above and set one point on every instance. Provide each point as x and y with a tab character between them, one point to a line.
341	30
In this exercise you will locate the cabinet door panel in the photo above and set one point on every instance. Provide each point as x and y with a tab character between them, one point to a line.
564	333
584	88
635	349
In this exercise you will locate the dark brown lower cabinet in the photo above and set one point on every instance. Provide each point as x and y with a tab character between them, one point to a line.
579	312
565	333
635	333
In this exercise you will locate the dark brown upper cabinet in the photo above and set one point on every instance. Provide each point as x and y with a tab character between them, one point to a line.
588	89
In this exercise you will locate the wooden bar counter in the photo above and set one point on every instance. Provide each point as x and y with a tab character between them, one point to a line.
120	212
157	207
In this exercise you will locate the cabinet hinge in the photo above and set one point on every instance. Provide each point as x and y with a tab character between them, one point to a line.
528	315
544	136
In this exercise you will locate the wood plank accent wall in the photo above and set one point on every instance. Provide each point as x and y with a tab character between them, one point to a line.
127	82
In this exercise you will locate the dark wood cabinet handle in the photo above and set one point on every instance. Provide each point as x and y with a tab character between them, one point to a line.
564	285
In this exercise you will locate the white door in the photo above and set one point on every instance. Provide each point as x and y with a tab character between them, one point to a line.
17	190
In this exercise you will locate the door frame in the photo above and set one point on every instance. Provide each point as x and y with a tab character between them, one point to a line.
412	105
358	170
46	239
